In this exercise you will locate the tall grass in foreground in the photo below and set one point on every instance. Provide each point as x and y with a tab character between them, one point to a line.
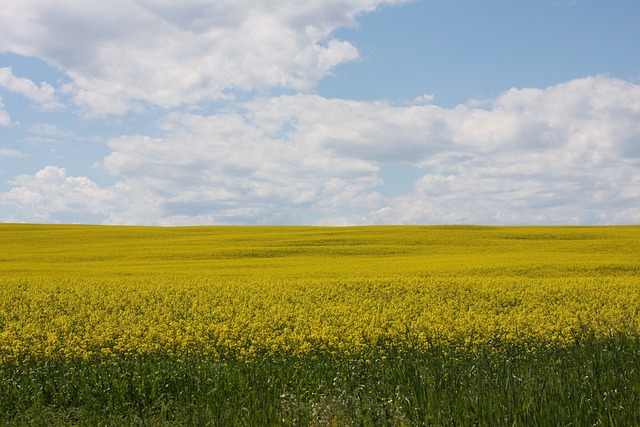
591	382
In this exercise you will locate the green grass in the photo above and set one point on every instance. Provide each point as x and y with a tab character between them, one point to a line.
593	382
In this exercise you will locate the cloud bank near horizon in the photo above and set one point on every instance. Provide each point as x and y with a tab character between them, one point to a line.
567	154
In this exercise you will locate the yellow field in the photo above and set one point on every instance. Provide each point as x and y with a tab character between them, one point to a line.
89	290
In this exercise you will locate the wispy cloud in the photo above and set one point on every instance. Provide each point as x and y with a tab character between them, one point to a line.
8	152
5	119
43	95
49	133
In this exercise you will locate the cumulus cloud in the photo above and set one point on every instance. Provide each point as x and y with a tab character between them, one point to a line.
122	53
566	154
52	196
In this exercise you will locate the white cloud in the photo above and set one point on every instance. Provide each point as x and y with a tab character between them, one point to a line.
426	98
124	52
5	119
43	95
52	196
566	154
49	129
49	134
231	169
9	152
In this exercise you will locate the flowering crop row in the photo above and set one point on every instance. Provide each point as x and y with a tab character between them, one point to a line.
300	291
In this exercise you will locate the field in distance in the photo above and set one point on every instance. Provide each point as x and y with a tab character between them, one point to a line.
377	325
316	252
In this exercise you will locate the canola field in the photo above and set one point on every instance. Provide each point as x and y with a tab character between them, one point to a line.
379	325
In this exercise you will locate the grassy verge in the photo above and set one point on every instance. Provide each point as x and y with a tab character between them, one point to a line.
590	382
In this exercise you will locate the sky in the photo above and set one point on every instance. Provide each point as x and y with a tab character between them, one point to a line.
320	112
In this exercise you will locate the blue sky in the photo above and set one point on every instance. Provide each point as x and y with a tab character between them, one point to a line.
339	112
